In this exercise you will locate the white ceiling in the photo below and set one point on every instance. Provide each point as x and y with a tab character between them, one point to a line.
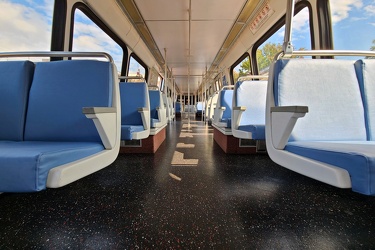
168	22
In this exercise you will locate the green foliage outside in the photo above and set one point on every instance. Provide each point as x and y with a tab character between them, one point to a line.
372	48
265	56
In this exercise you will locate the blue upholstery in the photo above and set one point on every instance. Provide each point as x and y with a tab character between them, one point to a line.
252	95
366	77
128	130
226	96
154	122
24	166
228	122
15	81
59	92
178	107
56	130
258	131
133	96
358	158
155	102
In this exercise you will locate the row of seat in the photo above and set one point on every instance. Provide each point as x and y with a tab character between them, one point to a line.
171	113
333	143
240	109
63	120
60	121
144	111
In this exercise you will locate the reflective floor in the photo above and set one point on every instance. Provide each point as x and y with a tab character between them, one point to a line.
189	195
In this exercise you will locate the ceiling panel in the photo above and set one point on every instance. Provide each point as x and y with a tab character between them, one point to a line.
208	36
163	9
172	35
216	9
211	22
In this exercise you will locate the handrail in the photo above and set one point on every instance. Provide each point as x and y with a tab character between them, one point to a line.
153	87
228	87
327	53
56	54
251	77
132	78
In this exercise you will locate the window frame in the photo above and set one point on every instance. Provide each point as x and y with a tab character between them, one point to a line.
298	7
135	57
95	19
236	63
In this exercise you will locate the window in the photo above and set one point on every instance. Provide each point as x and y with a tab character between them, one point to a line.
25	26
241	67
136	68
301	40
87	36
353	24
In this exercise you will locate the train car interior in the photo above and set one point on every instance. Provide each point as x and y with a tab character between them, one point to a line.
189	124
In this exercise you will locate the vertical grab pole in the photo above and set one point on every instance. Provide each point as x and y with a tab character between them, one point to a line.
203	103
173	97
188	105
287	45
166	78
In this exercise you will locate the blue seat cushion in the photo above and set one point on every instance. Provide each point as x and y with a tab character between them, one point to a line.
366	77
58	93
258	132
228	121
155	102
226	97
357	157
178	107
128	130
154	122
24	166
133	95
15	82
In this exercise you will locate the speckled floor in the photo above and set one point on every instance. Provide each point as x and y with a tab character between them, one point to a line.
221	202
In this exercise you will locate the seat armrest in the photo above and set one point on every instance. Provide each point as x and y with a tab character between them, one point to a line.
237	114
98	110
283	120
145	114
104	119
218	114
162	114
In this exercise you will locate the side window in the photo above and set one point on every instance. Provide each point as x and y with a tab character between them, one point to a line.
301	40
87	36
136	68
217	85
241	68
353	24
25	26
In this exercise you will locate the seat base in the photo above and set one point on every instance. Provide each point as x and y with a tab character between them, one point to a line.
148	145
231	145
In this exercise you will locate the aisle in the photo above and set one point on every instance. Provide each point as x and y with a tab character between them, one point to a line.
189	195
